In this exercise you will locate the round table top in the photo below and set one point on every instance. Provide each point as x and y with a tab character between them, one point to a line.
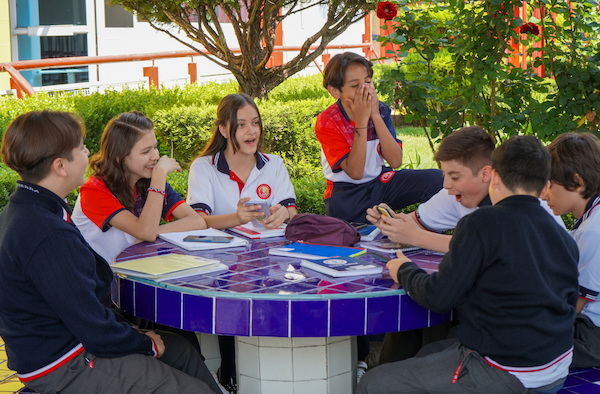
267	295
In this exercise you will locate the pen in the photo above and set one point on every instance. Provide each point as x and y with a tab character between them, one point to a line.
381	257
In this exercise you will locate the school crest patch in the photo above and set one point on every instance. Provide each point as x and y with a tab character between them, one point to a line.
386	176
263	191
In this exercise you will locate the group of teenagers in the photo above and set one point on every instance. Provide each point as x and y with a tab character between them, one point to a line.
523	287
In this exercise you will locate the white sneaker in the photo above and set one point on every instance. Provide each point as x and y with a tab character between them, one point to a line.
361	369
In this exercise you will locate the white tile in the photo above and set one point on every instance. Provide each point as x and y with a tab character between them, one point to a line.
310	363
270	387
342	384
210	350
248	340
301	342
339	358
336	339
247	360
311	387
275	363
247	385
275	342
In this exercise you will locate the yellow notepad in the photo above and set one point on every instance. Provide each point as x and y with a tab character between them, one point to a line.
168	266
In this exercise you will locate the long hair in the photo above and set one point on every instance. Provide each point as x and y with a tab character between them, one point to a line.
227	114
118	139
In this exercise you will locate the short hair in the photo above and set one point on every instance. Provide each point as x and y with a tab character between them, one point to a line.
522	162
35	139
576	153
227	114
470	146
335	70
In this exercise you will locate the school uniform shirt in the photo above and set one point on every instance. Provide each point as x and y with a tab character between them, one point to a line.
442	212
215	190
586	233
335	132
96	205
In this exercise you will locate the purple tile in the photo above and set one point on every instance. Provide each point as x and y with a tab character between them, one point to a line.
126	296
573	380
198	313
168	307
232	316
309	318
591	375
439	318
270	318
588	388
347	317
114	291
382	314
145	301
412	314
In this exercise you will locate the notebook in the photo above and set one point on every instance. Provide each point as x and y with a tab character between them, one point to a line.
338	266
368	233
177	239
305	250
168	266
249	231
386	246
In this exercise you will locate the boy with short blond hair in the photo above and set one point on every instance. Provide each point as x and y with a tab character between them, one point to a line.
575	188
357	137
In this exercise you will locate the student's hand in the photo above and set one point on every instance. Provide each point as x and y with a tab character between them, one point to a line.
374	216
167	164
361	106
160	345
279	214
395	264
247	213
400	229
374	101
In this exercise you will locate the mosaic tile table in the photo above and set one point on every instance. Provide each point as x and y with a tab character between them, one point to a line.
294	327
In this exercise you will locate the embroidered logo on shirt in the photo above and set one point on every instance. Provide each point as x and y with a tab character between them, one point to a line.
263	191
386	176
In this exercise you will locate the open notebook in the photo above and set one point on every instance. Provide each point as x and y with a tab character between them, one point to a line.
168	266
177	239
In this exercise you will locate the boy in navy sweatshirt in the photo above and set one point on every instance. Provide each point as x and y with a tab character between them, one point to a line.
511	272
59	334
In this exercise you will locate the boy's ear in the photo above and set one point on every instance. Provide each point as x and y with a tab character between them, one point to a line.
334	92
544	193
581	184
58	167
486	173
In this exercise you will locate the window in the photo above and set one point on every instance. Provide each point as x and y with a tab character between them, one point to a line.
117	16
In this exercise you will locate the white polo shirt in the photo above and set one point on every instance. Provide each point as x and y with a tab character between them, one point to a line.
215	190
587	233
442	212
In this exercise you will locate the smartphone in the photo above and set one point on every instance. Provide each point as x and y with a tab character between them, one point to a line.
264	208
208	238
383	211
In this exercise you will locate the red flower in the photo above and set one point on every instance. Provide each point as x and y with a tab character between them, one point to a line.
386	10
529	28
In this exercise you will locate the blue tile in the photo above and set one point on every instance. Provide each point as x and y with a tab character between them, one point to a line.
347	317
114	291
168	308
588	388
309	318
412	314
591	375
198	313
126	296
382	314
232	316
144	301
270	318
438	318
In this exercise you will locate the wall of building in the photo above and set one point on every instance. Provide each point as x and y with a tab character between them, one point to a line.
5	55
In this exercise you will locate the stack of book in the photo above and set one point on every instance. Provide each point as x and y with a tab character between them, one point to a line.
168	266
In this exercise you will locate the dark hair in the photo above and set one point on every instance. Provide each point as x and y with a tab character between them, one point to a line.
34	140
522	162
227	114
118	139
335	70
470	146
576	153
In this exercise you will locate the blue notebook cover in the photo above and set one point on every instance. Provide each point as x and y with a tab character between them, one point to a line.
338	266
368	233
310	251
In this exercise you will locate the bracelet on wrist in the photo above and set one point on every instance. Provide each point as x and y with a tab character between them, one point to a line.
155	190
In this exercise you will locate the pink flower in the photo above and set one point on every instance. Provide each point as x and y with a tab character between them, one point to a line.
386	10
529	28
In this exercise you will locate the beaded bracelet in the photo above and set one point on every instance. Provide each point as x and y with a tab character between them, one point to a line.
155	190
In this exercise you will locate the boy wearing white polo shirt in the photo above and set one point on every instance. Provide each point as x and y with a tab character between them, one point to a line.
575	188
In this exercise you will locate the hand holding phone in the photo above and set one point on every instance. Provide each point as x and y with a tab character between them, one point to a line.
264	208
383	211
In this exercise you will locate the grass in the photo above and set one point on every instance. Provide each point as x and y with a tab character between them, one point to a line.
416	151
